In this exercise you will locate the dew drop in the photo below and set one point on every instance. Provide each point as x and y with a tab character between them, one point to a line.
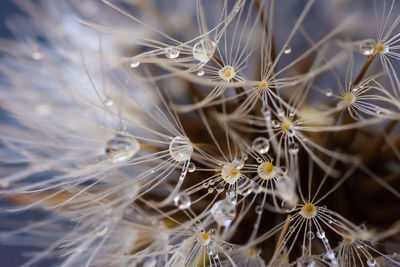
275	124
192	167
293	148
287	50
121	147
182	201
261	145
367	48
223	212
171	52
101	229
328	92
37	55
320	234
238	163
203	50
288	206
200	73
180	149
371	262
108	101
258	209
134	64
310	235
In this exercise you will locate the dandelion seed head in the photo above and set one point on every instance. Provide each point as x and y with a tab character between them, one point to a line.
230	173
349	98
308	211
227	73
266	170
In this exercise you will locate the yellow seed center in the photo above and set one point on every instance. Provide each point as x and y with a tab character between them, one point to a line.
348	240
286	126
269	167
233	171
263	84
349	97
380	47
228	73
205	236
308	211
251	253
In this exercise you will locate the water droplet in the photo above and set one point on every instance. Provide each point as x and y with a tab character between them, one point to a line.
275	124
203	50
180	148
287	50
328	92
134	64
238	163
108	101
267	113
37	55
171	52
371	262
305	261
291	132
121	147
223	212
310	235
200	73
210	190
293	148
258	209
100	229
367	48
192	167
288	206
182	201
320	234
220	187
261	145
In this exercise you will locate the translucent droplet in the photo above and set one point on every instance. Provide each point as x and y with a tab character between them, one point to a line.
287	50
258	209
134	64
203	50
275	124
288	206
223	212
171	52
200	73
238	163
180	149
192	167
37	55
121	147
305	261
371	262
182	201
293	148
310	235
367	48
320	234
108	101
291	132
330	255
328	92
100	229
220	187
261	145
267	113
